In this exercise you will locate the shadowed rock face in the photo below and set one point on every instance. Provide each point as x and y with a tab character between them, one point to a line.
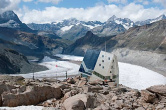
89	41
12	62
28	41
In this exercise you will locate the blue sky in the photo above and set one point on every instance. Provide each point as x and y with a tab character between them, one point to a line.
35	4
47	11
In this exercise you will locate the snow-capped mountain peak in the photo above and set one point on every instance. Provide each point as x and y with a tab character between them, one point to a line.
140	23
8	14
113	18
127	23
161	17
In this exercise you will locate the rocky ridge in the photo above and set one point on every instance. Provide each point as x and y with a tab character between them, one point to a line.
78	29
12	62
79	94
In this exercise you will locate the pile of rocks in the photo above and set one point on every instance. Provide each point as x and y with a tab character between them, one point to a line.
79	94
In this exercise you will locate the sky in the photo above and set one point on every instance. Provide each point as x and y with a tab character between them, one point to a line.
47	11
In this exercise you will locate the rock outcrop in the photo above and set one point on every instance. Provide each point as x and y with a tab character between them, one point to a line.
13	62
160	89
66	95
33	95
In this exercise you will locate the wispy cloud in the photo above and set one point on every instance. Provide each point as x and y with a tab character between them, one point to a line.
99	12
117	1
50	1
162	2
8	5
27	0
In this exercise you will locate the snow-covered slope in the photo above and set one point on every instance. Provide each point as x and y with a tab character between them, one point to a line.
125	22
57	69
70	57
149	21
66	28
138	77
133	76
23	108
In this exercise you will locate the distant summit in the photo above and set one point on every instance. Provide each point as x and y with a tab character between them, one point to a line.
125	22
10	20
140	23
72	29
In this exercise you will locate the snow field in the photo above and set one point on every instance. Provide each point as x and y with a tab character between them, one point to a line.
133	76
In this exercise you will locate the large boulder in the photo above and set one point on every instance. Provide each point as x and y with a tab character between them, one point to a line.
87	99
81	83
32	96
5	87
70	94
148	96
159	89
77	104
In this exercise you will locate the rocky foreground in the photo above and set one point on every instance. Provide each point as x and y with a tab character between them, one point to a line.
78	94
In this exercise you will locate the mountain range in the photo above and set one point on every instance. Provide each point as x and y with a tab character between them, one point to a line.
45	38
73	29
149	37
75	37
18	36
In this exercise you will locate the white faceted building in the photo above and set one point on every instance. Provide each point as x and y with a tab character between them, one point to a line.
100	65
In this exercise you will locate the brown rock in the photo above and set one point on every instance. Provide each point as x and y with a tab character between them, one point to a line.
70	94
96	82
95	88
148	96
81	83
5	87
74	105
102	107
32	96
71	81
118	104
87	99
160	106
140	108
114	98
111	84
77	78
11	78
163	99
159	89
86	89
66	90
62	86
0	101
